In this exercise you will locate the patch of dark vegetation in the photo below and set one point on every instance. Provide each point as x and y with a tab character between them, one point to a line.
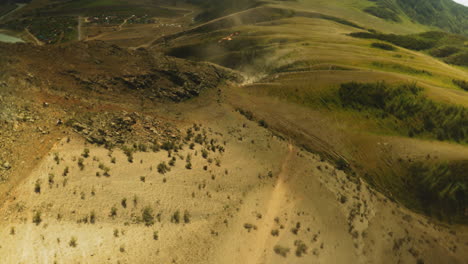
282	251
461	83
327	17
383	12
400	68
439	189
444	51
147	216
406	103
250	116
301	248
439	44
444	14
460	59
383	46
413	42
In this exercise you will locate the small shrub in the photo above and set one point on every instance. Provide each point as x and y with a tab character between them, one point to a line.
263	123
92	217
275	232
37	186
51	179
142	147
204	153
37	218
73	242
163	168
81	163
186	217
172	162
176	217
113	212
124	202
57	158
168	145
85	153
147	216
142	178
128	152
301	248
282	251
188	166
155	235
66	171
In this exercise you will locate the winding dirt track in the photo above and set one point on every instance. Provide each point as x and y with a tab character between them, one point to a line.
275	203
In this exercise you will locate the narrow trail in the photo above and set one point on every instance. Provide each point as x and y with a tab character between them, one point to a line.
80	25
125	22
275	203
38	42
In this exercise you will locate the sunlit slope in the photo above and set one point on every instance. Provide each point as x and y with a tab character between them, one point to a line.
296	56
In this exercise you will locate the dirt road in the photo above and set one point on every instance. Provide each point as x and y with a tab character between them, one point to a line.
276	202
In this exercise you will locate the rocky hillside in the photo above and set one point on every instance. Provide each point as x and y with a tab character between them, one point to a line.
100	68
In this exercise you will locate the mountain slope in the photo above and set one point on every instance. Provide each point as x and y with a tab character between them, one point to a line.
444	14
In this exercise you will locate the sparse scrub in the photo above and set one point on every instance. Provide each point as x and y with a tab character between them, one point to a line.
57	158
250	227
85	153
282	251
301	248
176	217
128	152
66	171
147	216
263	123
51	180
186	217
163	168
81	163
37	186
37	219
73	242
142	147
172	162
92	217
113	212
275	232
204	153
